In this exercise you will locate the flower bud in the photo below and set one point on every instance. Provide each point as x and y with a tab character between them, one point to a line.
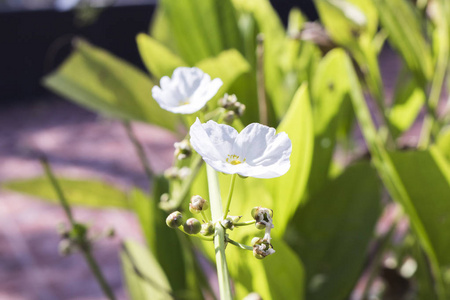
229	117
260	225
174	220
192	226
65	247
198	204
171	173
262	214
183	150
184	172
227	101
227	223
261	248
240	109
207	229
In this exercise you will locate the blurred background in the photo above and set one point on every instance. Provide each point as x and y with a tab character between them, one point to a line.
36	36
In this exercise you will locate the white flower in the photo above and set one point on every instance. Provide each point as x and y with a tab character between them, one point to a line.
255	152
187	91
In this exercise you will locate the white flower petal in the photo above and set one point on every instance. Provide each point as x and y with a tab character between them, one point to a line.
255	152
212	140
187	91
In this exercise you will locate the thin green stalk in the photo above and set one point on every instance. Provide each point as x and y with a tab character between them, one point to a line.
206	238
205	217
139	150
230	195
219	234
245	223
83	243
242	246
187	183
260	81
429	124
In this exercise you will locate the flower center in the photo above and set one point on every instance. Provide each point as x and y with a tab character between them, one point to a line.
184	102
234	159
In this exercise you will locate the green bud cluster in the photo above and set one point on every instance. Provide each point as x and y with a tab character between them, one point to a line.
183	149
207	229
261	248
263	217
234	108
229	222
175	173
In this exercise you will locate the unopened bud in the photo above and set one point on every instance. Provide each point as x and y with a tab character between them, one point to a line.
65	247
183	149
260	225
175	219
227	223
198	204
171	173
239	110
229	117
164	197
184	172
192	226
262	214
227	101
62	230
207	229
261	248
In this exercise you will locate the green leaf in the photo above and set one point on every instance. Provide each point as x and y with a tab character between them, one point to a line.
228	66
278	276
106	84
144	277
287	191
426	178
443	142
333	231
392	180
402	23
92	193
202	28
409	98
329	97
159	60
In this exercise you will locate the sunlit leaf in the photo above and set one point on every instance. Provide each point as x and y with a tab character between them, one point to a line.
159	60
143	275
333	231
92	193
106	84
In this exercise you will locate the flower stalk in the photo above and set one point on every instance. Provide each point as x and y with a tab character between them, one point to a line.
219	234
230	195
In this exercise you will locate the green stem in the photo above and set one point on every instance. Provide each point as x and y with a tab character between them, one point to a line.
84	244
139	150
260	81
242	246
245	223
230	195
219	234
205	217
196	235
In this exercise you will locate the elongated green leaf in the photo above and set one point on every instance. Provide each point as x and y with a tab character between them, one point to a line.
228	66
391	178
78	192
426	178
287	191
278	276
443	143
402	23
168	245
329	95
143	275
202	29
333	231
159	60
106	84
408	100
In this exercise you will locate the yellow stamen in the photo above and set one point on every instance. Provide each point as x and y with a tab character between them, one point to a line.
234	159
